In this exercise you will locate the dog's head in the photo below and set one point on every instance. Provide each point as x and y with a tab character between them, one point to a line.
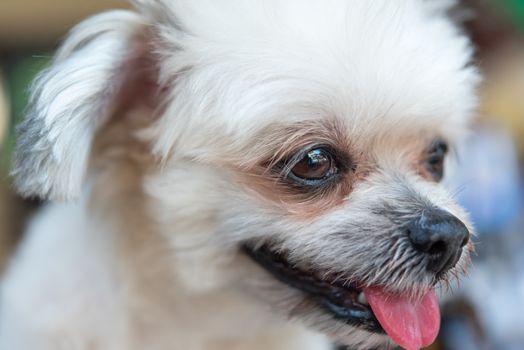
302	145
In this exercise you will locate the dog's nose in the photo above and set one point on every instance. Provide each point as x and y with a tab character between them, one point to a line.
441	236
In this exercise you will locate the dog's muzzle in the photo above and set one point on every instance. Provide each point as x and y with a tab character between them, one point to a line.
411	321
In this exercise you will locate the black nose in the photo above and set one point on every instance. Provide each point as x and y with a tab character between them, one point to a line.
441	236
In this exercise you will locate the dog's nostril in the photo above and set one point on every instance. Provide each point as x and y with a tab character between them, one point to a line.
441	236
437	248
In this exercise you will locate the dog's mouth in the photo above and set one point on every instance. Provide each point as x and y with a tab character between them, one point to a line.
346	302
411	323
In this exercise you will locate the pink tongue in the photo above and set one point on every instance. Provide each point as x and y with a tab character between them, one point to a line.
412	324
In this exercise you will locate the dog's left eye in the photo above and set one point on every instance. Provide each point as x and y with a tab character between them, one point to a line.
314	167
435	160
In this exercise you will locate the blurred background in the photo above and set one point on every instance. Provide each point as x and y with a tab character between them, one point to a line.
486	310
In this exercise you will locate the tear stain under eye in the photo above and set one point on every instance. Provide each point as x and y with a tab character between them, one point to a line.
301	202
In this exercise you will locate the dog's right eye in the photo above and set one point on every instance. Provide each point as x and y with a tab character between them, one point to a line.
435	160
314	167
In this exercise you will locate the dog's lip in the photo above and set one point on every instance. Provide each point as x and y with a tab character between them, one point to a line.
337	298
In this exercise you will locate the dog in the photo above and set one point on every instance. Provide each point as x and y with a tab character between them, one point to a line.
254	174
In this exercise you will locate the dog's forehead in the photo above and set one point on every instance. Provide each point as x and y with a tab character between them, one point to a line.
373	64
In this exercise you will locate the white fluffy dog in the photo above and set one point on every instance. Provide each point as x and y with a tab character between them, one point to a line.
249	174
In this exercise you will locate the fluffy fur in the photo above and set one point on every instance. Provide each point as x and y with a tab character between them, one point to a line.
160	127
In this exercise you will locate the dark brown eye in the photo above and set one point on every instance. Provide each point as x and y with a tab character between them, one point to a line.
316	165
435	160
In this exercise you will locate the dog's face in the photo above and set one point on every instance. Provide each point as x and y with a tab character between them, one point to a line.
303	145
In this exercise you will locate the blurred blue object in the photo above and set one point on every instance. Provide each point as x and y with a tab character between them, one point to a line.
488	180
457	333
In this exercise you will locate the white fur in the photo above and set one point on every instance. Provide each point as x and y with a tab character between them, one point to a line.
146	256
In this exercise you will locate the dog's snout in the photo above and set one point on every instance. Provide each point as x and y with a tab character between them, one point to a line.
441	236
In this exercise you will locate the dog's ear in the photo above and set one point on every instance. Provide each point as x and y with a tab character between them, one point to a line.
73	98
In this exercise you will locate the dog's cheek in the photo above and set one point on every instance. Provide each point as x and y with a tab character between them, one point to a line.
186	204
203	270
